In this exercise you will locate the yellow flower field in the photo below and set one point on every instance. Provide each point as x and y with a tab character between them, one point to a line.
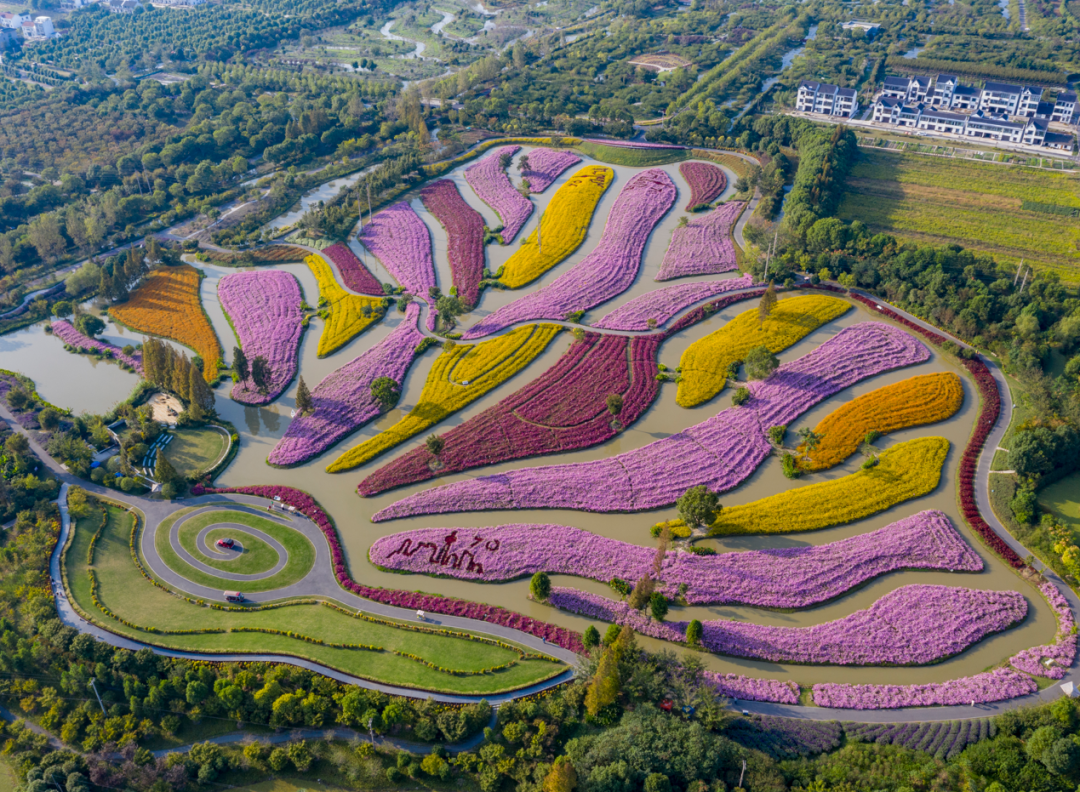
563	226
458	377
347	319
927	398
705	362
167	305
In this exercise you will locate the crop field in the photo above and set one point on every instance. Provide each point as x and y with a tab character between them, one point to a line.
1011	213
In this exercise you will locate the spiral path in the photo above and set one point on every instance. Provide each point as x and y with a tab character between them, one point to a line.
200	541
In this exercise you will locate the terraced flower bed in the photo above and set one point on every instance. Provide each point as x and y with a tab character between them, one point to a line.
703	246
706	182
400	240
354	274
264	309
465	236
657	308
66	332
545	166
490	182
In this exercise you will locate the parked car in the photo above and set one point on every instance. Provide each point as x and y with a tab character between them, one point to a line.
226	543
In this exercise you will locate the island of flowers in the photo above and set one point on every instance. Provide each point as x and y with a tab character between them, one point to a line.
703	246
562	227
706	182
167	304
343	401
661	305
349	314
1051	661
705	363
913	625
400	240
925	399
545	165
490	182
354	274
431	603
737	686
263	307
606	272
564	409
459	376
464	235
719	453
791	577
66	332
997	685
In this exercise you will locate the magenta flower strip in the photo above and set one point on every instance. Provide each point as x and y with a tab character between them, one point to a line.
354	274
706	182
400	240
343	401
490	182
66	332
1062	652
606	272
662	304
465	236
545	165
913	625
562	410
792	577
997	685
703	246
264	309
737	686
719	453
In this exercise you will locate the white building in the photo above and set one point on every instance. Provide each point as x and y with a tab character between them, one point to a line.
12	21
1005	99
1064	108
826	99
39	28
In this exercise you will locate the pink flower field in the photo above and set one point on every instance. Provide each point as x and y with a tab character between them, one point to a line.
490	182
400	240
703	246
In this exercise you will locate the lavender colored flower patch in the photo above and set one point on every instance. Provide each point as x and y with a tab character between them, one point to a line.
719	453
997	685
400	240
1059	654
663	304
67	333
737	686
343	401
793	577
606	272
545	165
264	308
490	182
703	246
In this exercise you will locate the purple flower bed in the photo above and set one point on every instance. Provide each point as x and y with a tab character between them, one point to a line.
400	240
703	246
306	505
944	739
719	453
66	332
465	236
354	274
562	410
662	304
343	401
1062	652
545	165
792	577
490	182
27	418
737	686
706	182
606	272
264	309
997	685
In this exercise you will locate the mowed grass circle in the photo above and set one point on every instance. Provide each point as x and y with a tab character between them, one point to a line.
250	555
301	551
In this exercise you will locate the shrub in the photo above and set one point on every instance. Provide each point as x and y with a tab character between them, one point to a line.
740	397
540	586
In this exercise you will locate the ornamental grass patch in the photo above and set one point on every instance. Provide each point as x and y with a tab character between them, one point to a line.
459	376
167	304
347	315
925	399
563	226
705	363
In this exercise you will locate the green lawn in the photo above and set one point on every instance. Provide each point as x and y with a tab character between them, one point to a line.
249	554
193	450
301	552
632	157
123	590
1062	499
8	782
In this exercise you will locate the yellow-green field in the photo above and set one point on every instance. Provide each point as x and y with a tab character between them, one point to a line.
941	201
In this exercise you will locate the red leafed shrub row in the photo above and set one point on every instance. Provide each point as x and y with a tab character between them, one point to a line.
307	506
353	272
988	416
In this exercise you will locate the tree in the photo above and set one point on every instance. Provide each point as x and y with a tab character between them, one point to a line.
658	605
614	404
89	325
304	404
699	506
16	445
693	632
44	234
386	392
49	419
810	441
449	306
766	304
604	687
591	637
561	777
19	399
760	363
240	364
61	308
435	445
164	472
260	373
540	586
200	397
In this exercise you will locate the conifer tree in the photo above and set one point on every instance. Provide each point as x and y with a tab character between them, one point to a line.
164	472
240	364
304	404
767	303
260	373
